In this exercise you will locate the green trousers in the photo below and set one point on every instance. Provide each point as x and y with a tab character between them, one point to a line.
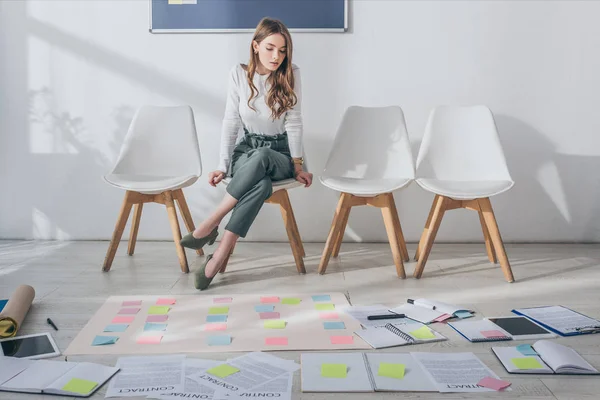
256	162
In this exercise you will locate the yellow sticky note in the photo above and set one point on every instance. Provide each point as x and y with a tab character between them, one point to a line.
158	310
223	370
391	370
324	307
81	386
334	370
422	333
274	324
175	1
290	300
218	310
527	363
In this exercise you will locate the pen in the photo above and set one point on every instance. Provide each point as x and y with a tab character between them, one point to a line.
411	301
387	316
48	320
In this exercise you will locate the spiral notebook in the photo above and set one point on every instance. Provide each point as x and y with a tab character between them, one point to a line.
391	335
480	331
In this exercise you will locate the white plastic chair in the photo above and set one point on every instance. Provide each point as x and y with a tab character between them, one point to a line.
461	161
159	157
281	198
370	159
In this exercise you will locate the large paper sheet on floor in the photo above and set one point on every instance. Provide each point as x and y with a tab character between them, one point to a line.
218	323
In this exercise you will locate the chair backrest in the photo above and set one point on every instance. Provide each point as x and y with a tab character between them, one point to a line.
161	141
461	143
371	143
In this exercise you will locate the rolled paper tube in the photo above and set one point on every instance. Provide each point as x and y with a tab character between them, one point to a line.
13	314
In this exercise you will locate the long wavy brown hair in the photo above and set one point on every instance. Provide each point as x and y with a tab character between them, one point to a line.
281	96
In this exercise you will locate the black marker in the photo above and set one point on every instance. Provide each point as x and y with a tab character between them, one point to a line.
48	320
388	316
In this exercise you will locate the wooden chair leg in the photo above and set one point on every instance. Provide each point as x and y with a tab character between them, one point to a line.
168	196
390	218
135	225
186	214
436	220
492	225
340	237
292	229
334	232
398	228
118	232
489	246
427	224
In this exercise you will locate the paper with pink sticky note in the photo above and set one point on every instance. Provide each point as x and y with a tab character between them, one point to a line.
222	300
157	318
122	320
129	303
342	339
129	310
442	318
272	299
493	383
215	327
269	315
276	341
149	339
492	334
165	302
328	315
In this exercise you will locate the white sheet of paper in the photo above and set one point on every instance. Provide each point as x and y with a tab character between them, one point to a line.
255	369
360	313
191	389
11	367
455	372
278	388
142	376
421	314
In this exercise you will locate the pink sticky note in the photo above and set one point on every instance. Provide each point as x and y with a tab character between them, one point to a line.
492	334
276	341
129	311
215	327
442	318
269	315
165	302
342	339
130	303
157	318
273	299
493	383
149	339
122	320
328	315
222	300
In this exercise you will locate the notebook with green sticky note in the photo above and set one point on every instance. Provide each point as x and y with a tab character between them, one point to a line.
543	357
405	331
55	377
363	372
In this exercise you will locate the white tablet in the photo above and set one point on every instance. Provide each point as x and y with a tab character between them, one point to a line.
39	345
522	328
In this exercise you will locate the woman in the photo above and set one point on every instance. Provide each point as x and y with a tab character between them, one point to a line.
264	98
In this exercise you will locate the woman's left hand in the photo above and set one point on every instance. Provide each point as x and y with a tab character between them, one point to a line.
304	178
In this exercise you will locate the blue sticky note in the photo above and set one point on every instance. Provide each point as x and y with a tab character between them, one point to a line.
463	314
216	318
264	308
2	304
152	326
116	328
526	350
334	325
103	340
219	340
321	297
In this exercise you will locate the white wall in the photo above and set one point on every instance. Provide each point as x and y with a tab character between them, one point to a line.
73	72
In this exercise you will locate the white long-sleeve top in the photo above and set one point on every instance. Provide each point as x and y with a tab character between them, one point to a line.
238	114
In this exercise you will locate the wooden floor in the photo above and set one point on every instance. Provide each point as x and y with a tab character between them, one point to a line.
70	287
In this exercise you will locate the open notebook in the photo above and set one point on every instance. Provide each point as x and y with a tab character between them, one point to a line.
427	311
544	357
399	334
482	330
52	377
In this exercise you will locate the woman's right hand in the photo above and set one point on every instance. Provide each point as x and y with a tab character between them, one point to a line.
215	177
